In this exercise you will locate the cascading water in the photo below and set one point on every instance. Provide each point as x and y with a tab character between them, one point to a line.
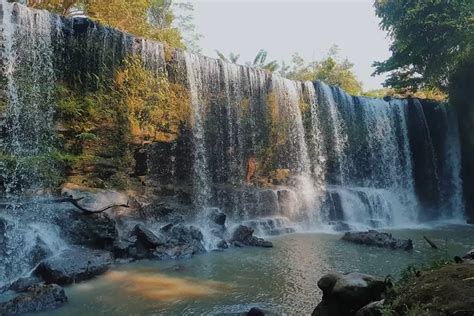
200	73
454	204
349	158
320	155
27	66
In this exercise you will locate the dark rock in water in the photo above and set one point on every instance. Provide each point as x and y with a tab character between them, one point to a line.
172	242
181	242
38	298
93	230
345	294
74	265
22	284
140	244
371	309
146	237
375	238
255	311
243	235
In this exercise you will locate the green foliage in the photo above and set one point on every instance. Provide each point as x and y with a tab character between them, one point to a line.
260	61
233	58
430	94
152	19
102	125
430	39
155	107
330	70
396	303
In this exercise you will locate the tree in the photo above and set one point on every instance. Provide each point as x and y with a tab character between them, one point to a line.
153	19
233	58
330	70
430	40
260	60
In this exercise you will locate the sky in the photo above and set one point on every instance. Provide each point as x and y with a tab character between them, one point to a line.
283	27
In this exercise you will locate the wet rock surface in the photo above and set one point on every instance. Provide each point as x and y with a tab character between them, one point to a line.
171	242
37	298
180	242
92	230
22	284
74	265
378	239
243	236
345	294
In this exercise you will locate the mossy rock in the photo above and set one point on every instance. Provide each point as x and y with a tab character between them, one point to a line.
448	290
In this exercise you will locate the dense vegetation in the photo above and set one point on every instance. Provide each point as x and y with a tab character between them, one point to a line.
154	19
432	39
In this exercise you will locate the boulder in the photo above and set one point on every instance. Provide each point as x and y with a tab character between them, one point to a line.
174	241
146	237
371	309
345	294
181	242
23	284
92	230
38	298
243	235
378	239
74	265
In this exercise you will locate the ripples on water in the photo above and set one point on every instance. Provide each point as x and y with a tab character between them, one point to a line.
282	279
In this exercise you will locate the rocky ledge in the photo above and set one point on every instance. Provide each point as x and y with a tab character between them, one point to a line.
243	236
378	239
36	298
74	265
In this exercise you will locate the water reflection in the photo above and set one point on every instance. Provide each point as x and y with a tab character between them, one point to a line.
282	279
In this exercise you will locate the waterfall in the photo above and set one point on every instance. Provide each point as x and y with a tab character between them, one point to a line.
320	155
451	190
27	60
200	73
